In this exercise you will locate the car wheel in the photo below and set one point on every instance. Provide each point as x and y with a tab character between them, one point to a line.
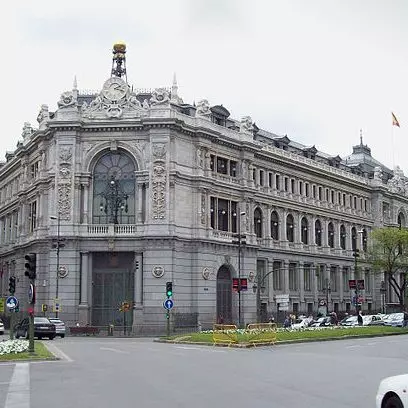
17	336
62	336
51	337
393	402
39	337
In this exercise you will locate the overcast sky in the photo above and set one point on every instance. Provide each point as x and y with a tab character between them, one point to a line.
316	70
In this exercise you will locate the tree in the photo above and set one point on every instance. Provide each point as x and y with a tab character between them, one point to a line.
388	254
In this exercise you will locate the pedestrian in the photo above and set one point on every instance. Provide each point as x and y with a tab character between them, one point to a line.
360	318
405	322
287	323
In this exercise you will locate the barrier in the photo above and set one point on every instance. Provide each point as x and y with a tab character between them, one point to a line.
261	333
225	334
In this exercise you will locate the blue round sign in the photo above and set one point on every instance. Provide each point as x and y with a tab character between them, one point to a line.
168	304
12	302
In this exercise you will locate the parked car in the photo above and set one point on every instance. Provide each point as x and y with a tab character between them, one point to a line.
300	324
395	320
349	321
42	328
59	326
392	392
321	322
373	320
1	327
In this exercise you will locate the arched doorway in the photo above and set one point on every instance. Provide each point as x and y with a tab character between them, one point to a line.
224	295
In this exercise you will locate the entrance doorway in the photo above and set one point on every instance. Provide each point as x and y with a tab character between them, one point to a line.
224	295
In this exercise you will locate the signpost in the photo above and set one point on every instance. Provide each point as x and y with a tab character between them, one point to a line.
12	306
168	304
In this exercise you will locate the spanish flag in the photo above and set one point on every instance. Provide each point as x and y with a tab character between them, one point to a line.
394	120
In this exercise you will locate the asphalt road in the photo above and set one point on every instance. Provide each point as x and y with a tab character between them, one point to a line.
137	372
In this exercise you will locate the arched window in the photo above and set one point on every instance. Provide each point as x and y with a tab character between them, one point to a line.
318	233
401	220
353	238
364	239
330	235
305	230
342	236
274	225
114	189
289	228
258	222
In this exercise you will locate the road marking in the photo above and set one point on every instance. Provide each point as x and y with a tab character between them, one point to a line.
349	347
59	353
18	395
5	383
114	350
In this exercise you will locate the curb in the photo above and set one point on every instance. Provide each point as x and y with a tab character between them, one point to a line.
277	343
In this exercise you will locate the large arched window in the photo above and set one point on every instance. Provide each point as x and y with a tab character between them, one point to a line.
289	228
274	225
258	222
353	238
330	235
114	189
401	220
342	236
318	233
305	230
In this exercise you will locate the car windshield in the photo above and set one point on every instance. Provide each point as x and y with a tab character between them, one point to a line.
41	320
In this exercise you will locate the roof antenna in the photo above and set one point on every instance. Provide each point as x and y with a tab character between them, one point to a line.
361	137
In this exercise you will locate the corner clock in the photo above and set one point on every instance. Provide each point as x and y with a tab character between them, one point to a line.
115	89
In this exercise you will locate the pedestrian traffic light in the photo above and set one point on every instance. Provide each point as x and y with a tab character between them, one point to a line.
30	266
169	289
356	253
12	285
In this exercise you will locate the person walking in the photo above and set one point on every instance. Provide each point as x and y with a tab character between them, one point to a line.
360	318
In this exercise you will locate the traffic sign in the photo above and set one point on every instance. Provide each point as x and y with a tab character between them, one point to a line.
31	294
12	302
168	304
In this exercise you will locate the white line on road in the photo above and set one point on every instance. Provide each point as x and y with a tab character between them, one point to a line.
18	395
59	353
5	383
349	347
114	350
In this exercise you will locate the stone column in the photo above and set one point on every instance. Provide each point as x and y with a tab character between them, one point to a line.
301	284
86	203
139	214
83	308
341	288
286	276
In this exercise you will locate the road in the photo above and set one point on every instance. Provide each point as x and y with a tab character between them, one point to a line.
138	372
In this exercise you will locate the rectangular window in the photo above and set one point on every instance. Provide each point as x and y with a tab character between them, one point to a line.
212	162
365	205
286	184
344	200
16	216
361	203
355	203
277	275
333	279
270	178
307	189
254	174
300	188
320	193
320	277
346	278
307	277
222	165
327	194
314	191
332	196
293	281
339	198
292	186
261	177
233	168
277	181
32	216
34	170
223	214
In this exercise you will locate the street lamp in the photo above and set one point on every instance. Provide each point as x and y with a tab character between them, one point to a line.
240	241
114	200
58	245
257	288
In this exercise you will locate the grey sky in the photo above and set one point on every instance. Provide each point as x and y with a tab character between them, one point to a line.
316	70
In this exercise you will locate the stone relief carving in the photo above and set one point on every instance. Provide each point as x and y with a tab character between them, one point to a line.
114	101
159	191
203	108
378	173
246	125
65	154
65	172
159	151
203	209
146	104
200	160
67	99
159	97
158	271
64	201
398	184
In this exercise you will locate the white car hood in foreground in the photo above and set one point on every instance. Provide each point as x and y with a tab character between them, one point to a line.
397	384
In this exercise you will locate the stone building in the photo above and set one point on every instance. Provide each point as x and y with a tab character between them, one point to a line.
122	190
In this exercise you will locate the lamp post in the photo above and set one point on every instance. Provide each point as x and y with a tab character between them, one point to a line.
115	200
257	288
327	291
58	245
240	241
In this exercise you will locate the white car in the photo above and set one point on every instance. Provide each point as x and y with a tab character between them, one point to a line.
59	326
1	327
392	392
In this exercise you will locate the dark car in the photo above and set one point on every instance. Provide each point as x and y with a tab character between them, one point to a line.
42	328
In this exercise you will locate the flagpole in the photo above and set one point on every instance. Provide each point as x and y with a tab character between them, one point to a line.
392	146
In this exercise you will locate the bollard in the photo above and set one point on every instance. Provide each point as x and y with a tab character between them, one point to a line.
110	330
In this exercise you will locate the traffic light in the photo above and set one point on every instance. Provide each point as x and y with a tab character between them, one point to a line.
169	289
30	266
356	253
12	285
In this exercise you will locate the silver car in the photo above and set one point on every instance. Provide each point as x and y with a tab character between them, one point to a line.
1	327
59	326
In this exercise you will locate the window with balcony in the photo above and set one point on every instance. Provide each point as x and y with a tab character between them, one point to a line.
290	234
258	222
32	216
330	235
342	237
305	230
34	170
274	225
318	233
223	214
